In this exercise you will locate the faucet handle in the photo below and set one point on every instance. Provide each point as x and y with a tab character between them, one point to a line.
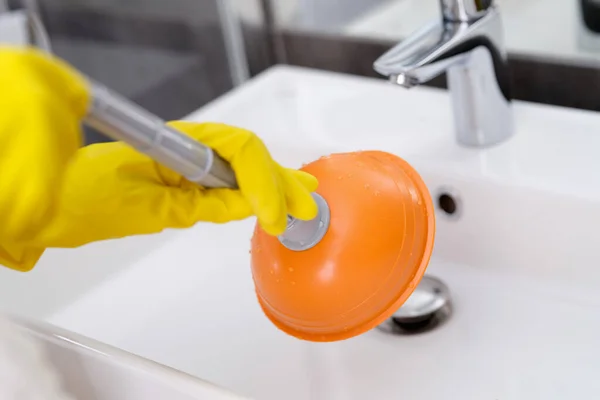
464	10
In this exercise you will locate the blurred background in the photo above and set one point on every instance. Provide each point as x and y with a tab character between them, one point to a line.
174	56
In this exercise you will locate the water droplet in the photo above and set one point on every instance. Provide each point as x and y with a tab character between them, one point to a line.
271	272
278	280
293	283
340	178
321	224
291	269
377	193
350	175
367	186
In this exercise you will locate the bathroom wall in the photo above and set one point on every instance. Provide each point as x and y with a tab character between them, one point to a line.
556	64
319	15
171	56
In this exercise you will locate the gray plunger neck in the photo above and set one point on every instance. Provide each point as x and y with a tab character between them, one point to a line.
302	235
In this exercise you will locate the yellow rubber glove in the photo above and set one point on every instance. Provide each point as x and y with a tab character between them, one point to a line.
112	191
42	101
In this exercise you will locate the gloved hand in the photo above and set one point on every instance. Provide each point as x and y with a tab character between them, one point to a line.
41	104
112	191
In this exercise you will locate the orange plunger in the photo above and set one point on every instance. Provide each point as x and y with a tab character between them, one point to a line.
374	243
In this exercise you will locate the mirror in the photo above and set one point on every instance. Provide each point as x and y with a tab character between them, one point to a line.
552	29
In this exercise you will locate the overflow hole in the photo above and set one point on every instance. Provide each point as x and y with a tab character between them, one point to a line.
447	203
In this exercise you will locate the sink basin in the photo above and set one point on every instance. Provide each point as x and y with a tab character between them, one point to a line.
519	255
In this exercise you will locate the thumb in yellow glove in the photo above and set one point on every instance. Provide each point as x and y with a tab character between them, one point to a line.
112	191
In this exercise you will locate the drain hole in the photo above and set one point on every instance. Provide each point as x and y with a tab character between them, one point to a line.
447	203
415	325
402	327
427	308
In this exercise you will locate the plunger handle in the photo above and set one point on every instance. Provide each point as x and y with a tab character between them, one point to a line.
123	120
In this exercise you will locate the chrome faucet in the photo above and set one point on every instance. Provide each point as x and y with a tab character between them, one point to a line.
467	44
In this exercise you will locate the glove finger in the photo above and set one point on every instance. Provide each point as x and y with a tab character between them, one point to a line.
300	203
162	208
307	180
224	139
256	172
215	205
268	204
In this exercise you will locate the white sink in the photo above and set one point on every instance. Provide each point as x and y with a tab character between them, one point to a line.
521	259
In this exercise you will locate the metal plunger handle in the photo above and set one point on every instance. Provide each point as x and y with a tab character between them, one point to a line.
123	120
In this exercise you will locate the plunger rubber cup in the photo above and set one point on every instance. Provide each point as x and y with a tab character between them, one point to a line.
371	256
302	235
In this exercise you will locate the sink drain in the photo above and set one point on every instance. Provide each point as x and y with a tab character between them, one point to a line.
427	308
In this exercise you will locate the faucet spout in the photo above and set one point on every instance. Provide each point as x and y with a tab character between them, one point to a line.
471	53
421	57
